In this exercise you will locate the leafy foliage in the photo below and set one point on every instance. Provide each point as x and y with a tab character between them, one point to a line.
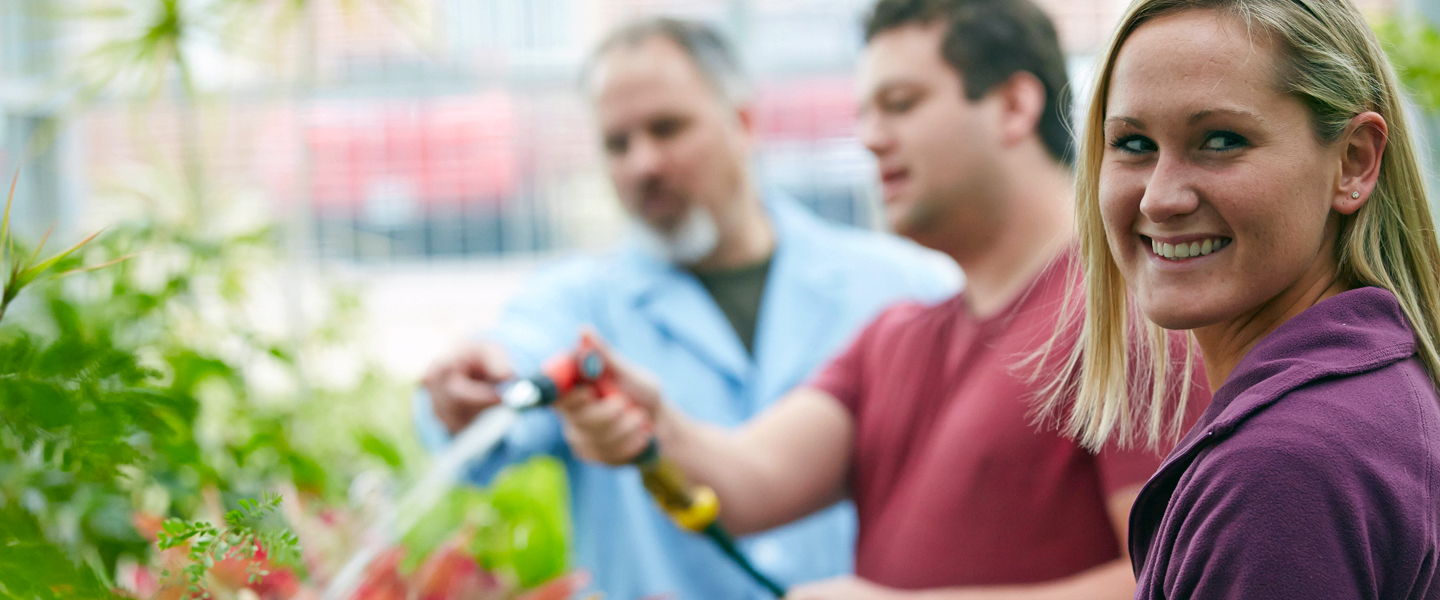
519	525
148	387
1414	48
242	537
70	413
79	417
260	416
34	568
528	539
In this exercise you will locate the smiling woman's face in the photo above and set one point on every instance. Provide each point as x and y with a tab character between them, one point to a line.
1215	192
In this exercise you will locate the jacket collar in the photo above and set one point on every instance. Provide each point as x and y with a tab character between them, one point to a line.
800	276
1352	332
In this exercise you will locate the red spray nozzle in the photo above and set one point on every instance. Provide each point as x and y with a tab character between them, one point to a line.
563	371
584	365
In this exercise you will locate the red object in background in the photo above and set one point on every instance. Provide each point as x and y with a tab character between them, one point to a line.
809	109
277	584
147	524
383	580
452	574
453	149
562	588
464	149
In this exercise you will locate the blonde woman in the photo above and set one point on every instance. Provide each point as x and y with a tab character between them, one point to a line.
1247	174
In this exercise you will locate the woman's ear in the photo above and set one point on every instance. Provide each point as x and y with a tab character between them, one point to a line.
1363	148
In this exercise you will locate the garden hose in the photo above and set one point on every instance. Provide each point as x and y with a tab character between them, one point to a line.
692	508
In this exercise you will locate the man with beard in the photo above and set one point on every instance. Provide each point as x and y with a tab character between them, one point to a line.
927	419
730	295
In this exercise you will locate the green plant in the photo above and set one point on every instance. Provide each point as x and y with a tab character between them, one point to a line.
1414	48
23	267
518	527
83	424
68	410
242	537
528	539
148	389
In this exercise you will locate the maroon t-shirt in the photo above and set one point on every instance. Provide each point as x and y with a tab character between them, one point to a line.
955	483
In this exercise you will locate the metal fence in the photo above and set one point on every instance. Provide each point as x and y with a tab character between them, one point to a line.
440	129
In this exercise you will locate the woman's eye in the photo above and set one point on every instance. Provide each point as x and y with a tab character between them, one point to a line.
1224	140
1133	144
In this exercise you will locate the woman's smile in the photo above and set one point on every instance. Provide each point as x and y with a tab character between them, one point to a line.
1177	249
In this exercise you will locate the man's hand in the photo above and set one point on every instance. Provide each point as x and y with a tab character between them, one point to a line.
845	588
463	384
613	429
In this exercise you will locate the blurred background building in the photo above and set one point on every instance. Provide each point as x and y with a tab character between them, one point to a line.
427	151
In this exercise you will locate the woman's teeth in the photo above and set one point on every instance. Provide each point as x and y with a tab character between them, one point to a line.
1192	249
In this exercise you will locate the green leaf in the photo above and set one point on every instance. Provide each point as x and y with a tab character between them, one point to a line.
530	539
40	247
29	274
379	448
6	244
104	265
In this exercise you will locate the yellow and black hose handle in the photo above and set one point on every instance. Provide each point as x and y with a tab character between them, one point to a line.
693	508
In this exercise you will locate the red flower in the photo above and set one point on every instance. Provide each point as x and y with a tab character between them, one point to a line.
452	574
560	588
383	580
234	573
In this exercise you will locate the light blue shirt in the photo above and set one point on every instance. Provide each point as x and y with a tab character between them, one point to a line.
825	282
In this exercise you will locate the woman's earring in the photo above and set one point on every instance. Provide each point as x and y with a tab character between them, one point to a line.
1355	195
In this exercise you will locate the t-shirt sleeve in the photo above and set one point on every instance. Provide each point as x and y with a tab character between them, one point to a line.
843	376
1278	521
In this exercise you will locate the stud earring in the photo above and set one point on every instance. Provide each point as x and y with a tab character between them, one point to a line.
1354	194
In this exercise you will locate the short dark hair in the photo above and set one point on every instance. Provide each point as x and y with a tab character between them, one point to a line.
988	41
702	43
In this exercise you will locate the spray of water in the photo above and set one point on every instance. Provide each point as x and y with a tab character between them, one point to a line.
476	440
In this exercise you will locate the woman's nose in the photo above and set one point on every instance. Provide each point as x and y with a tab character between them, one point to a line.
1170	191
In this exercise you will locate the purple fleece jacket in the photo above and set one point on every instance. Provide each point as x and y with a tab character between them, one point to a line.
1313	473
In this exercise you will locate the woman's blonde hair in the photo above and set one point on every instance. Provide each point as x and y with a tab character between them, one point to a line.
1331	61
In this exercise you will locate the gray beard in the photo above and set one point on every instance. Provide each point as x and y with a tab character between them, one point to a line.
692	241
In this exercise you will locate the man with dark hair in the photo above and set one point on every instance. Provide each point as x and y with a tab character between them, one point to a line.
731	294
926	420
988	42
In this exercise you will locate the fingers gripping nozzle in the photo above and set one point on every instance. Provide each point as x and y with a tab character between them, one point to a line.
693	508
